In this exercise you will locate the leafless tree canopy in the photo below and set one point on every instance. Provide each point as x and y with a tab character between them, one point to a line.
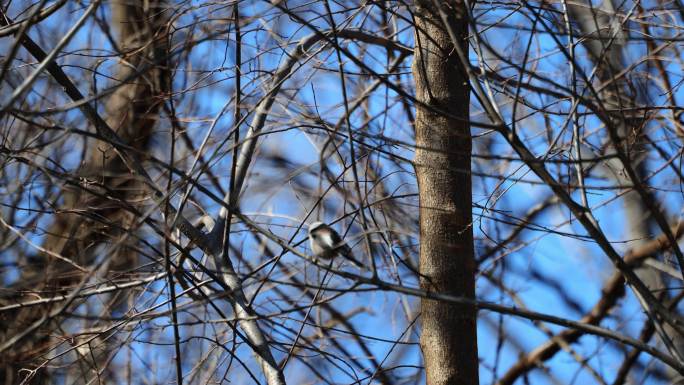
508	172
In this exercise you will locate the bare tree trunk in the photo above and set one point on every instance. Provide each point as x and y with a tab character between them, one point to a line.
132	111
442	162
607	54
87	220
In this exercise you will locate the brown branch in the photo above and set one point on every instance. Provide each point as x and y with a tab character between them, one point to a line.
612	291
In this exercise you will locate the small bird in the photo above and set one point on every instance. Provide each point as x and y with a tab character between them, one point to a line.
326	243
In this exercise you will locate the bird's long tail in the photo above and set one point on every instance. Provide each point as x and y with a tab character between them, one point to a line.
346	252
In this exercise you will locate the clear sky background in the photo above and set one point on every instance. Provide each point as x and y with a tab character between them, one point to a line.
552	249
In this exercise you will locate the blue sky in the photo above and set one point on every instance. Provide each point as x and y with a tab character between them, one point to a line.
579	267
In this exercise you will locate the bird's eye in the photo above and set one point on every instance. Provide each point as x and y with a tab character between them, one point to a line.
313	236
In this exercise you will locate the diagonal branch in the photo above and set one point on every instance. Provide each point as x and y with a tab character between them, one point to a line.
246	315
612	291
653	307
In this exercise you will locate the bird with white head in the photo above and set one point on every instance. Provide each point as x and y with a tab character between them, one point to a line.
326	243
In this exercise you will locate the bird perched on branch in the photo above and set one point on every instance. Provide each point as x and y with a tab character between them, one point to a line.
326	243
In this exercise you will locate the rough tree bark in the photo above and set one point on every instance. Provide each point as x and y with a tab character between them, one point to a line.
442	163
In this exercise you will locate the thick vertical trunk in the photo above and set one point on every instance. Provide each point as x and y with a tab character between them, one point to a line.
442	162
132	110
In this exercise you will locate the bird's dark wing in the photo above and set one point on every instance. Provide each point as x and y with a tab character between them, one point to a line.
346	252
353	260
343	248
335	238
